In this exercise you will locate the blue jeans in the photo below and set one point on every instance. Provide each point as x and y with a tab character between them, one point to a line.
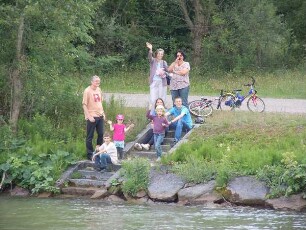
183	93
102	160
179	126
158	140
98	125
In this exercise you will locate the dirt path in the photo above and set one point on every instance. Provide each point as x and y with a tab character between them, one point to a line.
272	105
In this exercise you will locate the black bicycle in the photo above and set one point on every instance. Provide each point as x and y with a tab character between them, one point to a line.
234	99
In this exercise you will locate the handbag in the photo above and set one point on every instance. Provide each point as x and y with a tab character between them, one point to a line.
168	78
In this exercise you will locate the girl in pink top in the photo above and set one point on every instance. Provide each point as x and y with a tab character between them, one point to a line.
119	130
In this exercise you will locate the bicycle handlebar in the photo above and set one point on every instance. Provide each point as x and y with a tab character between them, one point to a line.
251	84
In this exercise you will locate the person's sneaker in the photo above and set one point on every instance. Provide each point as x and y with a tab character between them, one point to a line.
145	146
158	159
173	143
137	146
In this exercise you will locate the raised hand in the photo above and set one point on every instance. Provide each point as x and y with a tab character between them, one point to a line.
149	45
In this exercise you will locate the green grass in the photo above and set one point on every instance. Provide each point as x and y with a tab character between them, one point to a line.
241	143
279	84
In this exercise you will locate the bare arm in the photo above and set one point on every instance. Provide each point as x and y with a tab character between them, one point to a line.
129	127
111	127
87	115
150	54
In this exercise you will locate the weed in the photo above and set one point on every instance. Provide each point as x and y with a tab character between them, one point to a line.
136	174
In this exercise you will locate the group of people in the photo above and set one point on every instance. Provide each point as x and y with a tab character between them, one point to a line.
161	75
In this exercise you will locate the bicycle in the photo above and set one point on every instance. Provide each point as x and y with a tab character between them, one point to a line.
201	108
234	99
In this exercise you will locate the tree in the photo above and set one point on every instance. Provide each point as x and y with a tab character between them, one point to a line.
247	34
49	39
198	15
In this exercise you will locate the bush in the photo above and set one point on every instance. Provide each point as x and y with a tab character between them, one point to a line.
37	172
194	170
136	174
286	178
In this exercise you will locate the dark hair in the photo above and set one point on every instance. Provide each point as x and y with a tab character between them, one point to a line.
159	99
182	52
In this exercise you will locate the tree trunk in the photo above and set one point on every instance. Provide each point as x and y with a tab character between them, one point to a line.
16	78
198	28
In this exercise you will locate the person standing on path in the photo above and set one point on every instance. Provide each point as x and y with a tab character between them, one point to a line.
157	78
94	114
179	84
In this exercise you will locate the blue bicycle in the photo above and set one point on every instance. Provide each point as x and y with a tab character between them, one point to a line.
234	99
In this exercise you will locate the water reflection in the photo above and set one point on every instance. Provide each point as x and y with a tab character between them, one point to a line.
25	213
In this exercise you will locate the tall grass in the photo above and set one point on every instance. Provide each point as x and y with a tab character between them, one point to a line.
277	84
241	143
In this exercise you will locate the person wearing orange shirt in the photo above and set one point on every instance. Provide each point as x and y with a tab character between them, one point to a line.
94	114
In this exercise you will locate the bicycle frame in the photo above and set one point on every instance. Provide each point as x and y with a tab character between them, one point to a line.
234	99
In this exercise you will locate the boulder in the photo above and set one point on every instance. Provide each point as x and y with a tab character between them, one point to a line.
199	194
293	202
114	198
247	190
164	187
100	194
45	195
19	191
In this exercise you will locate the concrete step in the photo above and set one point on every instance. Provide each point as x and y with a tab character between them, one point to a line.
87	182
95	175
165	148
145	154
79	191
168	140
170	134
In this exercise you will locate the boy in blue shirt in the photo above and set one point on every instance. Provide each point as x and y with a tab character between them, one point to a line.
182	119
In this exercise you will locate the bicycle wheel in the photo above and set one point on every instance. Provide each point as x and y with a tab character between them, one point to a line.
256	104
227	102
199	108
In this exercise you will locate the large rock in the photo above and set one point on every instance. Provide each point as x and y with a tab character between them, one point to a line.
19	191
164	187
294	202
247	190
199	194
100	194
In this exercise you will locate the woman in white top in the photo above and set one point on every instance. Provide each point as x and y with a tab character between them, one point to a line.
157	78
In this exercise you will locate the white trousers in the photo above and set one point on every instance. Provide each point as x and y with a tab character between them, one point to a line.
157	90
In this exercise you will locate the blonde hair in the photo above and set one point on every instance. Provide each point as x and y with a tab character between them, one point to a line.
160	107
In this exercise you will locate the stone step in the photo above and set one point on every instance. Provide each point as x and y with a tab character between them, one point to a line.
168	140
144	154
87	182
79	191
170	134
95	175
165	148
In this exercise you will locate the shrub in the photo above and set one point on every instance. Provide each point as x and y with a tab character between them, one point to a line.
136	174
286	178
194	170
37	172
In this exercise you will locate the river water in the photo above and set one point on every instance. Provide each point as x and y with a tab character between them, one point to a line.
45	214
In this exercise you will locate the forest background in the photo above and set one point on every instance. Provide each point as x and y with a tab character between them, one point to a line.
50	49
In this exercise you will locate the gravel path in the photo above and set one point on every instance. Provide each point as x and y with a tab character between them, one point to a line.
297	106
